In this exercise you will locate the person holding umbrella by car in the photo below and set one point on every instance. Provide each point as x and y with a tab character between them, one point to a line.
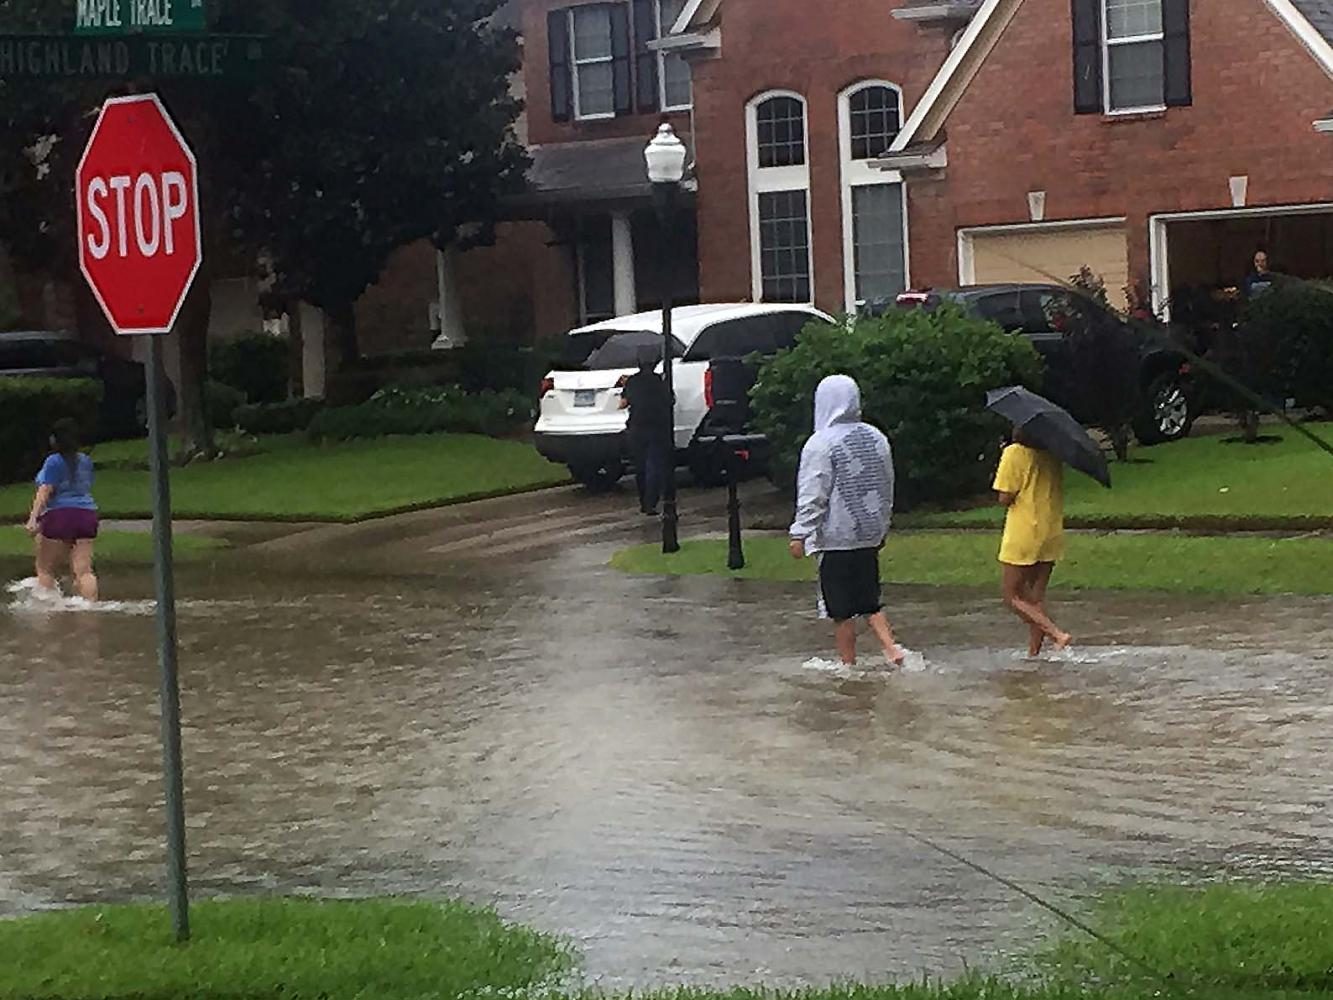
1030	485
645	395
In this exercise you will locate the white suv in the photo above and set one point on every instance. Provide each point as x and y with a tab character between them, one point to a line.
581	424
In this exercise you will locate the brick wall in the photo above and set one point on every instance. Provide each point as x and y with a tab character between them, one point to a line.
1256	92
818	50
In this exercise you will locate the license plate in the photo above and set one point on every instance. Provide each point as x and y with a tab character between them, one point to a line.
585	397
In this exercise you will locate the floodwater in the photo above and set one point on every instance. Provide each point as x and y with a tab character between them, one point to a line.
653	768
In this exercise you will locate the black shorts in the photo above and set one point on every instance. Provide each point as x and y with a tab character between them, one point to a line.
849	584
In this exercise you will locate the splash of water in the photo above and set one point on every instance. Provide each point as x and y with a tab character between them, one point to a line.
28	597
913	663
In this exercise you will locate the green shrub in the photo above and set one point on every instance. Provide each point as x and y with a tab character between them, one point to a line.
278	418
1286	343
222	402
28	408
425	411
923	377
257	364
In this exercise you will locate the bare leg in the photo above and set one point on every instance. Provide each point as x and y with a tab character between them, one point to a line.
845	637
50	552
81	563
1016	585
879	624
1039	579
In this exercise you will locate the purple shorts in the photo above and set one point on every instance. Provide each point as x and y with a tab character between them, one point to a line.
69	524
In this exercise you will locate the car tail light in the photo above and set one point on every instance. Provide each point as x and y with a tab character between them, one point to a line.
913	298
708	388
548	385
1186	368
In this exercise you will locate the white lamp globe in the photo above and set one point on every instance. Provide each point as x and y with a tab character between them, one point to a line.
666	157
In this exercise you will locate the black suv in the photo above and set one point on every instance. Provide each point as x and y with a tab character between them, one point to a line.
43	354
1049	315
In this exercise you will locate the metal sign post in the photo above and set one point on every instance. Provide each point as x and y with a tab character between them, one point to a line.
164	578
140	247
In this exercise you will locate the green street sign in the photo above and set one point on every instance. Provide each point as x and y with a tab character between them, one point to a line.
131	17
194	57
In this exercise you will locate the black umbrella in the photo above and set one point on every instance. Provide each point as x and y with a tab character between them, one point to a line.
1047	426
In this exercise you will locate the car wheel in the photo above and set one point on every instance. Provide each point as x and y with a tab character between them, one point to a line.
1169	414
598	478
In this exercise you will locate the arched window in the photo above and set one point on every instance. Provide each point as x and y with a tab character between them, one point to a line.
779	172
874	205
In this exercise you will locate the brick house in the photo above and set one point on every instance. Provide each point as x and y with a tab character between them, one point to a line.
844	150
1159	142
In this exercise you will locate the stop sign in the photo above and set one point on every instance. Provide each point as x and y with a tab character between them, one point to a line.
137	191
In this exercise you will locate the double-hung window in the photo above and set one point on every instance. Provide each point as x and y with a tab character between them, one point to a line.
1134	69
1131	55
590	61
592	58
778	155
673	71
874	209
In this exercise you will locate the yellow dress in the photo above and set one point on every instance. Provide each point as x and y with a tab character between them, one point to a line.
1034	528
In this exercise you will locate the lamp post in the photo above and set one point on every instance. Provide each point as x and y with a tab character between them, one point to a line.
665	156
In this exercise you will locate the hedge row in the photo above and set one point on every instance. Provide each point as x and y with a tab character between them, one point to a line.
29	407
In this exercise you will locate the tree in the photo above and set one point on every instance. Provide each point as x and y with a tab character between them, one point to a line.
370	126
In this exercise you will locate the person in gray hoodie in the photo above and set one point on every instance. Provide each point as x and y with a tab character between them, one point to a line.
844	505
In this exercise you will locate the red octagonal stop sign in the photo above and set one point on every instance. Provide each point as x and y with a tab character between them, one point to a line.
137	190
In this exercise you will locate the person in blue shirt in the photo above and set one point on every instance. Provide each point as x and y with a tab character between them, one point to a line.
64	514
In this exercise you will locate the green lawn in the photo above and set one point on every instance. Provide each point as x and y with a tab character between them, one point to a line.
1201	481
1164	561
336	482
118	546
289	949
1225	942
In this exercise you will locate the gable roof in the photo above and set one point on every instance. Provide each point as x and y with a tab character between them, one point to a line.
1320	15
1311	21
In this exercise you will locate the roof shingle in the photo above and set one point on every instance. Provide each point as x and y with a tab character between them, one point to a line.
1319	13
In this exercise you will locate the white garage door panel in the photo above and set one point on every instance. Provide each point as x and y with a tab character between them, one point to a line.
1052	255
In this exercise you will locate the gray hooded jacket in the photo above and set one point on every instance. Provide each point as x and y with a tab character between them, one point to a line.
845	488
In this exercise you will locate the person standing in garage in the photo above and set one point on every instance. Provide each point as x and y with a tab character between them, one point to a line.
645	395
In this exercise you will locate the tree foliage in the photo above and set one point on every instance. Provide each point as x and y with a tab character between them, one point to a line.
368	127
923	376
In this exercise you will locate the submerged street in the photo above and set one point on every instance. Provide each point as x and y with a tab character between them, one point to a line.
469	702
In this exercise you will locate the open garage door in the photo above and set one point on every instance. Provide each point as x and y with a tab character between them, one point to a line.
1200	259
1045	253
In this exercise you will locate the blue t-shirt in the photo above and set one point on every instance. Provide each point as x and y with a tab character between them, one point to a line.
72	490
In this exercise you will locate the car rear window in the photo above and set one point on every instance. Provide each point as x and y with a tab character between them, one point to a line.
611	349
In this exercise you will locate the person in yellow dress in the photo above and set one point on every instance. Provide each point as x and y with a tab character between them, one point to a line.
1030	483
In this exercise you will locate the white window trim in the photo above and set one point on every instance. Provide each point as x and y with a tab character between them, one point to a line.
575	62
1109	43
861	173
766	180
661	55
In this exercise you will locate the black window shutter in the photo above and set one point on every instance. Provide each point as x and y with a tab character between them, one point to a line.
1087	57
1176	52
645	59
620	54
562	92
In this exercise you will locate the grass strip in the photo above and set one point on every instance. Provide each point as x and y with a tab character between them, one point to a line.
336	482
118	546
1159	561
1202	482
1231	941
